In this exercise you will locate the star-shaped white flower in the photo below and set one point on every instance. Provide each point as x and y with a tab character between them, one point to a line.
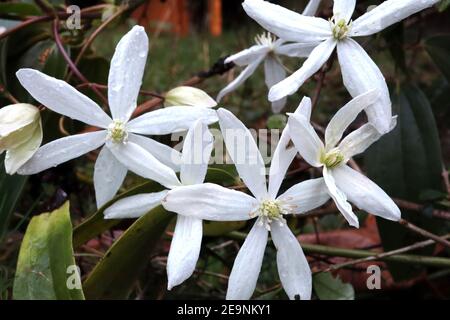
213	202
125	147
359	72
187	237
342	181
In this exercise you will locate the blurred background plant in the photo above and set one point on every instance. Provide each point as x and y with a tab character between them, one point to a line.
188	43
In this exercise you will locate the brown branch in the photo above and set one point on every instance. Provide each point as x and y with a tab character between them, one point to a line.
424	233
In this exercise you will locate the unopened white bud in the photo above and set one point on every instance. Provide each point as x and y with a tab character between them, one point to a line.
189	96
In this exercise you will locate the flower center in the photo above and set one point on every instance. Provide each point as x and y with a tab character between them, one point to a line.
269	211
340	28
265	39
117	131
332	158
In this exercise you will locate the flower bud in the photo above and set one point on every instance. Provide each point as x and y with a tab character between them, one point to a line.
20	134
188	96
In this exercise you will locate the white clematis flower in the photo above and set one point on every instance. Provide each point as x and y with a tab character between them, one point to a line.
359	72
213	202
187	237
268	49
342	181
20	134
125	148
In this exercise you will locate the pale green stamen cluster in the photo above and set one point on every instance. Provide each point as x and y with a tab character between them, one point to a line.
117	131
265	39
332	158
340	28
269	211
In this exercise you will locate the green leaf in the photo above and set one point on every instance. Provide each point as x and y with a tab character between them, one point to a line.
443	5
276	121
215	228
10	190
45	258
114	276
19	9
96	224
438	47
327	287
405	163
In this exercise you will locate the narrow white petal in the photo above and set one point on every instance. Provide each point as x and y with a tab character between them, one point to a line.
62	150
293	268
197	149
274	73
340	199
346	115
184	250
62	98
311	8
165	154
126	71
359	140
305	196
109	174
210	202
315	61
247	56
287	24
244	75
365	194
244	152
386	14
361	74
171	119
343	9
247	265
19	155
143	163
296	50
283	154
134	206
305	139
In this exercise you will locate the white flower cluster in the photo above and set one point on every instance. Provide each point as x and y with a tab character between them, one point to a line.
127	147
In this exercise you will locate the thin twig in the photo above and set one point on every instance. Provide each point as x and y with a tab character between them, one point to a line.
423	232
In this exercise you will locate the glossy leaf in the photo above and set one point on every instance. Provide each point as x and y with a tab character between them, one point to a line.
328	287
46	259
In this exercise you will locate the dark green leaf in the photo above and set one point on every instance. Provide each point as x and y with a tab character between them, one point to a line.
329	288
19	9
438	48
405	163
114	276
45	258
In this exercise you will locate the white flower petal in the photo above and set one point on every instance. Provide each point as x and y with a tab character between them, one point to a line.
284	155
126	71
134	206
274	73
62	98
287	24
197	149
171	119
188	96
361	74
244	152
244	75
365	194
346	115
311	8
296	50
143	163
62	150
247	56
315	61
19	155
184	250
293	268
305	196
247	265
109	174
359	140
210	202
340	198
386	14
305	139
343	9
165	154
